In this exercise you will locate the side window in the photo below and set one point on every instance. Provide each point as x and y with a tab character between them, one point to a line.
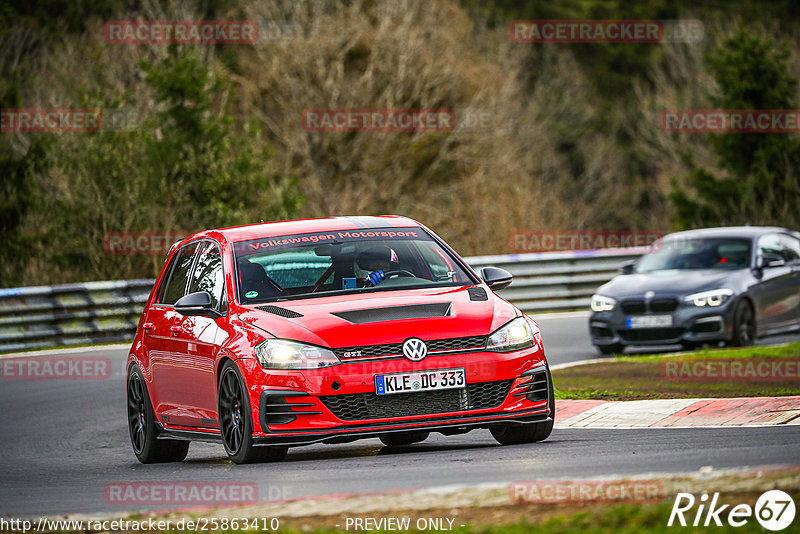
175	287
770	244
791	248
208	275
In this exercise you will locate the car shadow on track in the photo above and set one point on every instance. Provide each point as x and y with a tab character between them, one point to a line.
318	453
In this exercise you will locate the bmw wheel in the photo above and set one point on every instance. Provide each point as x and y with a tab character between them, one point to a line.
744	324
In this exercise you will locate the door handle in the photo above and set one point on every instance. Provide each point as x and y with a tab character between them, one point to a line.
175	330
148	326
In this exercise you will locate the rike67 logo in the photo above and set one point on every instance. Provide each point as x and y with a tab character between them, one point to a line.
774	510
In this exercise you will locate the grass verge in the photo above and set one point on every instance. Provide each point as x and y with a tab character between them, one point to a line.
743	372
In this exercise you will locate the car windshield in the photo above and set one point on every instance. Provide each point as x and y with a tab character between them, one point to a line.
690	254
340	262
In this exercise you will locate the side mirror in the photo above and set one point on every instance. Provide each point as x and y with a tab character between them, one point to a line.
627	267
770	260
496	278
196	304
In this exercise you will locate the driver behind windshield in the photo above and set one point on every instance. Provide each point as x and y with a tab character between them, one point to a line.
377	261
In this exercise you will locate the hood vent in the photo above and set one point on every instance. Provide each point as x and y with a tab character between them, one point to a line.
396	313
283	312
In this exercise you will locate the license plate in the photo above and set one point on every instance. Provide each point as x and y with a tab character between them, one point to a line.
650	321
432	380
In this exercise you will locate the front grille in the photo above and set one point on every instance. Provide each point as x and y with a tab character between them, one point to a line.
633	307
639	306
371	406
663	305
457	343
650	334
396	349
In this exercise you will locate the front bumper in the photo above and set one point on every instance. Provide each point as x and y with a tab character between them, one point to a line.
339	403
690	324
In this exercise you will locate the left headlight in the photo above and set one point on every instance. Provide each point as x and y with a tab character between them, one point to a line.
514	335
715	297
282	354
600	303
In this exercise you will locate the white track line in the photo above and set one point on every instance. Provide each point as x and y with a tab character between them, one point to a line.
72	350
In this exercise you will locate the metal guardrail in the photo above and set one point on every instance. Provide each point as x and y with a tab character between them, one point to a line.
555	281
103	312
70	314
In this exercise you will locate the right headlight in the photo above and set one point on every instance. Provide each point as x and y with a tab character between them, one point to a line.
715	297
283	354
601	303
514	335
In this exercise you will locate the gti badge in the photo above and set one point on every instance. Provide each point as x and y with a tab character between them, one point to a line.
415	349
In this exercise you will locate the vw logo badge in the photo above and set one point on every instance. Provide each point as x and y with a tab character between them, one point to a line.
415	349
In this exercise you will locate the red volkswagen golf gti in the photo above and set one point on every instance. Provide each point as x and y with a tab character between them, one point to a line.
329	330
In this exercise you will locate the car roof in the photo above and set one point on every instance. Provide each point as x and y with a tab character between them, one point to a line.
307	226
747	232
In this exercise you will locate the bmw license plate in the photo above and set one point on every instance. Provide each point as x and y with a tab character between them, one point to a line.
650	321
431	380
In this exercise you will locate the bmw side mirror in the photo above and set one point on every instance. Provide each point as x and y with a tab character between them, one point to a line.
197	304
496	278
627	267
770	260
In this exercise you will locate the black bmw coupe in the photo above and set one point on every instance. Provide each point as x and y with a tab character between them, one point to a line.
731	285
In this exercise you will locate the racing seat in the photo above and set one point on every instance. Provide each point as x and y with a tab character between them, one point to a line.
252	277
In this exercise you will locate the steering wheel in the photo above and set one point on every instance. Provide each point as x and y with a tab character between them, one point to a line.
400	273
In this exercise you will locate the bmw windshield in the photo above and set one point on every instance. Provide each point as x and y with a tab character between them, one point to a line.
691	254
339	262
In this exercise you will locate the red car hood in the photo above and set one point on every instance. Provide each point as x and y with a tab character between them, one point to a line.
375	319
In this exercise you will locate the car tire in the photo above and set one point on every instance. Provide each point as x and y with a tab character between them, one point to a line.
236	421
744	324
403	438
516	433
142	425
616	348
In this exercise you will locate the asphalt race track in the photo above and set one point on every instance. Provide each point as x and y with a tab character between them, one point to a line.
63	441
